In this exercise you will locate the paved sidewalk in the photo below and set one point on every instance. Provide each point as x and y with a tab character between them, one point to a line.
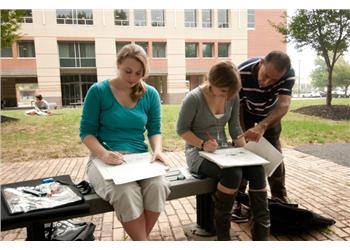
316	184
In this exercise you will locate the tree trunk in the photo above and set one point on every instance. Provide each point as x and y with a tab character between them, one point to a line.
329	88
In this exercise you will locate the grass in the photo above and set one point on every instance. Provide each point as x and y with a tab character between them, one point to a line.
302	129
56	136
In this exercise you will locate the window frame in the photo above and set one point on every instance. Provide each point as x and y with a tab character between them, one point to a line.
27	16
19	42
251	14
78	60
196	49
228	49
212	49
226	23
153	48
192	23
155	23
7	49
74	19
143	22
122	22
211	19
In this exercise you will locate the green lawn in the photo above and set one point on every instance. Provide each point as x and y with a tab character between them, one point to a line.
34	137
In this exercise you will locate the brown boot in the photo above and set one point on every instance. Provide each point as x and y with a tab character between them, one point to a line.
260	226
222	214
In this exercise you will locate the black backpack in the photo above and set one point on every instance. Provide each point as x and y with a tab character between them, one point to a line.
69	230
289	218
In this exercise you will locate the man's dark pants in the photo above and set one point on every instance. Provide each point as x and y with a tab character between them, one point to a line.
272	134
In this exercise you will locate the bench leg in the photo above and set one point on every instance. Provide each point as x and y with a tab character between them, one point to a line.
205	215
35	232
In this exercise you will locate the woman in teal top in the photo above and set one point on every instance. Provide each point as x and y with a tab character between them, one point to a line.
115	117
121	128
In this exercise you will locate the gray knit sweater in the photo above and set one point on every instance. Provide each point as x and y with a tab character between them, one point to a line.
196	116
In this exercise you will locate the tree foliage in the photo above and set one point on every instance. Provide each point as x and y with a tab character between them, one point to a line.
341	74
319	74
10	25
326	31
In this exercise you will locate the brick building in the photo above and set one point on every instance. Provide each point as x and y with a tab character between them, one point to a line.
62	52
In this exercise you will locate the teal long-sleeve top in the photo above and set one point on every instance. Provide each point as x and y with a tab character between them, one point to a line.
121	128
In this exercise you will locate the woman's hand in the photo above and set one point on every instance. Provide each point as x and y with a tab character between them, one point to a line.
210	146
161	157
112	157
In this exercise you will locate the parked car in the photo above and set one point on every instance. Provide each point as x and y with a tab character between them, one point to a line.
323	94
312	94
338	93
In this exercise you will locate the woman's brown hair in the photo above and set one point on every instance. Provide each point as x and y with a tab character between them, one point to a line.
225	74
138	53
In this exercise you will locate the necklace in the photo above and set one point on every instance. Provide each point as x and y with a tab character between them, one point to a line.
221	141
217	117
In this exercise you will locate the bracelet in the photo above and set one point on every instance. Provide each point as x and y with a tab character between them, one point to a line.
202	145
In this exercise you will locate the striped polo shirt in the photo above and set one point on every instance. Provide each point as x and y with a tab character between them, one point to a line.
260	101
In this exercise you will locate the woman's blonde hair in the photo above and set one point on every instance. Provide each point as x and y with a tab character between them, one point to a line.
138	53
225	74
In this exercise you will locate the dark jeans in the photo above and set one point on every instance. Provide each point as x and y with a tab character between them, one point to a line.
232	177
277	179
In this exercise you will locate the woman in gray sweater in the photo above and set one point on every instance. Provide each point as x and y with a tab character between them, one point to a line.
204	113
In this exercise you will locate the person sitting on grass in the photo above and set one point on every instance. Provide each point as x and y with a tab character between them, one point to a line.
41	107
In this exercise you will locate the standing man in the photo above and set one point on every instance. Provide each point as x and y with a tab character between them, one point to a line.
265	97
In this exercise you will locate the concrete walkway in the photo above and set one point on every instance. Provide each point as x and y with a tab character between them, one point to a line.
316	184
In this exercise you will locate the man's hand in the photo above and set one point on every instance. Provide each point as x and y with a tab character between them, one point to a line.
254	133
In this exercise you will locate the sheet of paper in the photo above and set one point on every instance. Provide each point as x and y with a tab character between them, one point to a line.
234	157
137	167
265	149
254	153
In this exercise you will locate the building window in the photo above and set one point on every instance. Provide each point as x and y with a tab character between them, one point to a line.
84	17
6	52
26	48
159	49
120	45
207	21
208	49
144	45
77	54
27	17
121	17
223	19
158	18
140	17
191	49
74	88
223	49
190	18
251	19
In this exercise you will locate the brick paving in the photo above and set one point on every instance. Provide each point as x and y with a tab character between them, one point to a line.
315	184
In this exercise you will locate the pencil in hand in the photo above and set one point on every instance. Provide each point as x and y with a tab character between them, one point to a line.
109	148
